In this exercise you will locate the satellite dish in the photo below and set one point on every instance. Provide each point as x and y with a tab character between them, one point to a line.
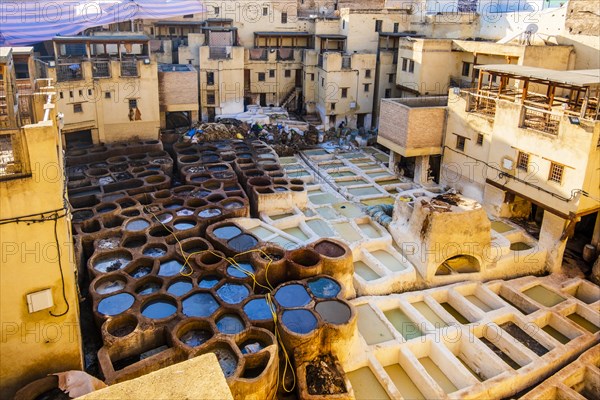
532	28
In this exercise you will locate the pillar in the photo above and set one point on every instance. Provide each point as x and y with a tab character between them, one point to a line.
550	234
421	166
596	233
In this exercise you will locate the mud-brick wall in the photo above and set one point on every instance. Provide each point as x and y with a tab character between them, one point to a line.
178	88
582	18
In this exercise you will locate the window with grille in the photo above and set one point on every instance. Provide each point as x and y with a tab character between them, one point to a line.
378	25
265	11
217	10
396	26
77	108
344	92
271	73
460	143
312	77
367	73
284	18
107	95
210	78
332	106
388	93
132	103
366	87
287	73
480	139
523	161
556	172
391	78
404	64
411	66
261	76
210	97
466	68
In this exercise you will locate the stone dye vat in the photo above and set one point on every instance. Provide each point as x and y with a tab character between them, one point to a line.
253	163
471	339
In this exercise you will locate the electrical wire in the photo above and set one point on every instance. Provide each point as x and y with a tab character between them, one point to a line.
62	276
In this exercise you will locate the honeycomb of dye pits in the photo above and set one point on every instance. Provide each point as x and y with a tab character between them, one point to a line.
314	319
230	238
92	154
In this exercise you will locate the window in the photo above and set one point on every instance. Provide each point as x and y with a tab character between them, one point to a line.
271	73
188	16
312	77
388	93
77	108
107	95
480	139
378	25
89	92
367	73
556	172
210	78
284	18
287	73
366	87
132	103
391	78
411	66
217	10
466	68
322	82
332	106
80	92
210	97
172	30
404	64
523	161
344	92
265	11
70	93
261	76
343	24
62	96
460	143
396	26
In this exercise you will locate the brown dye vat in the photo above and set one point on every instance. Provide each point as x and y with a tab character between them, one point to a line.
322	377
338	263
303	263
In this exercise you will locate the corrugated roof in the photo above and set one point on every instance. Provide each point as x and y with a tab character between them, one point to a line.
581	78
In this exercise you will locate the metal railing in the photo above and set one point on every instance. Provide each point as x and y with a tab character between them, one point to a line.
101	69
10	155
129	68
540	120
219	53
482	105
69	72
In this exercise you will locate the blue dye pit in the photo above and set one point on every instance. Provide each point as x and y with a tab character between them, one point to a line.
293	295
299	321
170	268
140	272
148	288
154	252
158	309
227	232
230	324
242	243
199	305
324	288
258	309
233	293
237	271
180	288
116	304
208	282
181	226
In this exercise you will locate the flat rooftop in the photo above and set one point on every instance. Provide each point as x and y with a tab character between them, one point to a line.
175	68
285	33
581	78
103	38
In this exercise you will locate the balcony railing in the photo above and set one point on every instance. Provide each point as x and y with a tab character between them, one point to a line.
10	155
69	72
219	52
482	105
129	68
540	120
101	69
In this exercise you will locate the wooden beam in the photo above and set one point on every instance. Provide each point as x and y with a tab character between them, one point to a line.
586	100
524	93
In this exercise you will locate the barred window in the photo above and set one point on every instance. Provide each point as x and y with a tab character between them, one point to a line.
556	172
460	143
479	139
77	108
523	161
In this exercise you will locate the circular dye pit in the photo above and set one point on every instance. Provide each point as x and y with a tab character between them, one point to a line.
185	212
110	286
226	232
243	242
230	324
227	361
116	304
154	252
141	272
240	270
208	281
232	205
170	268
137	225
199	305
112	263
293	295
158	309
148	288
251	346
180	288
209	213
299	321
164	218
334	312
182	226
258	309
233	293
324	288
195	337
